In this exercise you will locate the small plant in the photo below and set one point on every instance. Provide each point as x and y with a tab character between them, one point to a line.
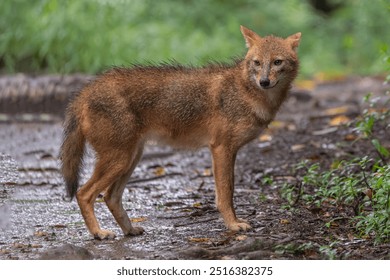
293	248
374	116
336	186
359	184
375	216
328	252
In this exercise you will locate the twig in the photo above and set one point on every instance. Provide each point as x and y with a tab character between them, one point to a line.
195	222
201	186
197	213
133	181
365	179
250	214
172	217
299	193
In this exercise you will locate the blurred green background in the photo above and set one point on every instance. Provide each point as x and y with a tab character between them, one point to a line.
54	36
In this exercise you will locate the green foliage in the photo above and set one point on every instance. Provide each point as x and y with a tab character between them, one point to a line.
371	117
328	251
375	219
354	184
292	248
91	35
361	184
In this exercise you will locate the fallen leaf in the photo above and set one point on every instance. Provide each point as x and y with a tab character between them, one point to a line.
199	240
327	214
336	111
41	233
377	110
291	127
329	76
265	137
333	224
297	147
138	220
339	120
19	245
314	157
324	131
311	254
284	221
159	171
306	84
350	137
277	125
197	205
59	226
369	193
207	172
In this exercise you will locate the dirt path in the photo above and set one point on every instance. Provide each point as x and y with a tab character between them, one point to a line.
171	193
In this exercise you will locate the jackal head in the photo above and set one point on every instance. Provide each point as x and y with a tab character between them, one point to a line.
271	61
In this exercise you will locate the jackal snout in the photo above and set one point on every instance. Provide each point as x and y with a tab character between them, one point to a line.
264	82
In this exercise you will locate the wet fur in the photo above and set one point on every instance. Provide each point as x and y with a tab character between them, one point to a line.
219	106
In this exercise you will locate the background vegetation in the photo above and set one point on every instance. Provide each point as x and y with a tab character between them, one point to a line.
49	36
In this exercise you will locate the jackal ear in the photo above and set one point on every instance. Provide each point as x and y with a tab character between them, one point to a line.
294	40
249	36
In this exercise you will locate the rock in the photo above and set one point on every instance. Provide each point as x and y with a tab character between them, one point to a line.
67	252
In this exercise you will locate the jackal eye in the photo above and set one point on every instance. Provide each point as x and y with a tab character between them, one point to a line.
278	62
256	62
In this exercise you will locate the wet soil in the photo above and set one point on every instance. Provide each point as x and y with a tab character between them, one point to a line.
171	193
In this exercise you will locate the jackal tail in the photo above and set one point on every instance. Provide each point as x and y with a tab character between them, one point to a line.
71	153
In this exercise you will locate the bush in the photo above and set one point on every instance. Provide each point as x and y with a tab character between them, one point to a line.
91	35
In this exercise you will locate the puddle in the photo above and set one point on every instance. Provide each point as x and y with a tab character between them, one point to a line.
166	188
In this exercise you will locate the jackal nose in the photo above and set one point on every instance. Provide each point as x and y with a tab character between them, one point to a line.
264	83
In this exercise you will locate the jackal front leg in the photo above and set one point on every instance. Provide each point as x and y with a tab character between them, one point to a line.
223	168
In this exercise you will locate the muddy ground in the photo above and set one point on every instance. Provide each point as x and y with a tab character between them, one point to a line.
171	193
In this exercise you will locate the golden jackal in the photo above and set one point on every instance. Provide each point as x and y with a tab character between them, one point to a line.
221	106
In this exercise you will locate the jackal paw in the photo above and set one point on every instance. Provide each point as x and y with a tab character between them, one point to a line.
239	225
104	234
135	231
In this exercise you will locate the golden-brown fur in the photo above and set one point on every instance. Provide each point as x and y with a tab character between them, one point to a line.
219	106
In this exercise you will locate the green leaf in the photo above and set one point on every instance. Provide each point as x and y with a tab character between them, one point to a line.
382	150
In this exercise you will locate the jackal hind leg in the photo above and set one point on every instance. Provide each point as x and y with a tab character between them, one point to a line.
113	198
109	167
